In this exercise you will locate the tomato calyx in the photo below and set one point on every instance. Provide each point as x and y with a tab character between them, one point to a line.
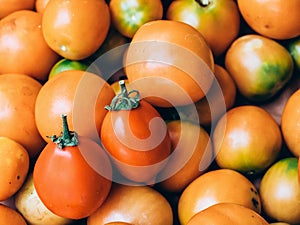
67	137
126	100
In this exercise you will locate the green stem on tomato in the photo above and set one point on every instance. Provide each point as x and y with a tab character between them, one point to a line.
67	137
125	100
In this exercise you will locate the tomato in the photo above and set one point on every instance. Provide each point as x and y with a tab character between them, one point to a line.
18	93
78	185
273	19
290	122
247	139
280	187
72	32
217	20
192	153
260	66
220	98
134	205
23	48
14	166
135	136
8	7
128	15
11	216
67	64
31	207
40	5
79	94
157	58
217	186
294	49
227	213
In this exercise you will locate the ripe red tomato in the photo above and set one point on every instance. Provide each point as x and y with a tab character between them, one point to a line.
135	135
67	179
128	15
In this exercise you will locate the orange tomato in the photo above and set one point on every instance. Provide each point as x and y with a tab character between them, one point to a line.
11	216
229	214
23	48
247	139
79	94
290	123
18	93
220	97
10	6
68	179
14	166
218	20
192	153
275	19
217	186
133	205
72	32
280	187
157	58
260	66
40	5
136	137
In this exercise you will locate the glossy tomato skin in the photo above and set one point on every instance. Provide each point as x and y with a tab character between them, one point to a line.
157	58
274	19
228	213
280	187
67	184
260	66
133	205
23	48
72	32
137	141
217	20
128	15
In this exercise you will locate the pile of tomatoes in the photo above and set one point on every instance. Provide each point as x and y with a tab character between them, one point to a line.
133	112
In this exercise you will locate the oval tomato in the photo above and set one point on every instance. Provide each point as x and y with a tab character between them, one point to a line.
68	183
72	32
79	94
229	214
280	186
11	216
135	136
290	122
266	17
294	49
217	20
18	94
157	58
128	15
23	48
8	7
259	66
217	186
192	153
133	205
247	139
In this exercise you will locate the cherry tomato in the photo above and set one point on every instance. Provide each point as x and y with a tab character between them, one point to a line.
135	135
66	179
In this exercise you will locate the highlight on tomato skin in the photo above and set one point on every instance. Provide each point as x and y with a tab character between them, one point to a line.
141	143
78	188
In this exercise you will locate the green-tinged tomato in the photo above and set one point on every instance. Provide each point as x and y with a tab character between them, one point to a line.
260	66
67	64
217	20
128	15
294	49
280	191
